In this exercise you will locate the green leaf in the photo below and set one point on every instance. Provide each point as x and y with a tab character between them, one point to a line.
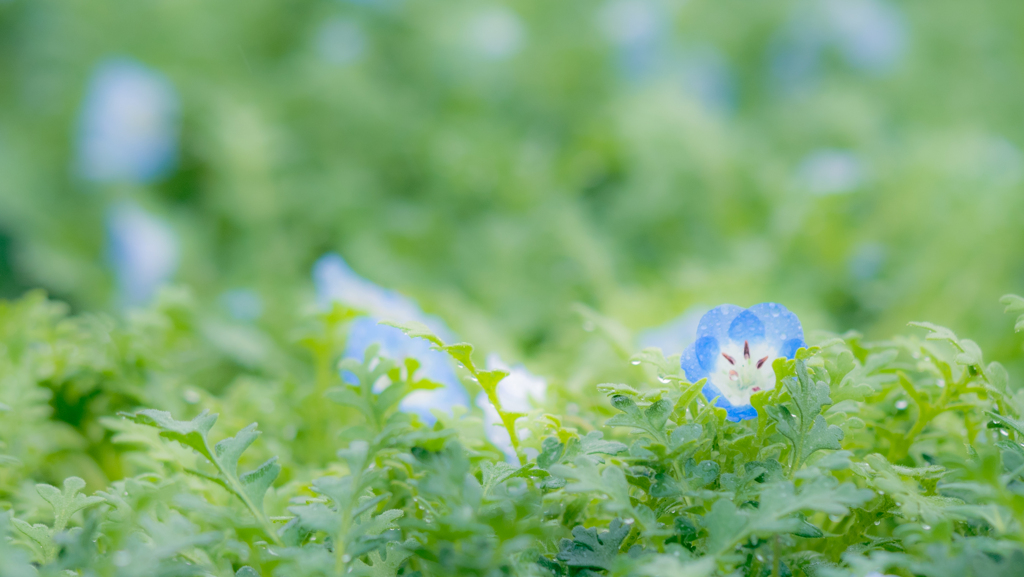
416	330
386	565
1014	304
489	381
805	427
189	433
65	503
588	548
250	487
651	420
725	526
594	444
13	561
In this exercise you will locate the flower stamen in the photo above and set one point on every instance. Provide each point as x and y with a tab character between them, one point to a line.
746	350
731	360
761	362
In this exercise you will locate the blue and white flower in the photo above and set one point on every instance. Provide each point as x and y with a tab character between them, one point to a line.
143	251
336	281
128	130
520	392
734	351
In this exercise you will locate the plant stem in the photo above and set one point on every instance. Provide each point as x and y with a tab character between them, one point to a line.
776	557
239	491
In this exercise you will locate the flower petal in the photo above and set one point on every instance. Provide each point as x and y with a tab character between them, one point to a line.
780	325
707	350
789	348
734	413
715	323
746	327
691	367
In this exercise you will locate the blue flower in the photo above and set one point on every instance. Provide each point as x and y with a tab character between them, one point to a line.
734	351
336	281
128	130
143	251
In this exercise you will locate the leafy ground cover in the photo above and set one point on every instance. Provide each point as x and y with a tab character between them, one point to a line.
121	456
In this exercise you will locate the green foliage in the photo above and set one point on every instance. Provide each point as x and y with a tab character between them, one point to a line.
901	457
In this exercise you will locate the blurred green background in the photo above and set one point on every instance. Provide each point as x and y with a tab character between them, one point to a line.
858	161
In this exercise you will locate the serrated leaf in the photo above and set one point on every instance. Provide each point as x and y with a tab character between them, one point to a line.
937	333
651	420
41	537
725	526
594	444
489	380
259	480
416	330
189	433
249	488
590	549
806	428
386	565
67	502
462	353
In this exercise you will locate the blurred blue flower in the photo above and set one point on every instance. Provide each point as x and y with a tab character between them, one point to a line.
869	35
708	78
637	30
128	129
675	335
734	351
496	32
867	261
340	41
829	171
143	251
336	281
242	304
520	392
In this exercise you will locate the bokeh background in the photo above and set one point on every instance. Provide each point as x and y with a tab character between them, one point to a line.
857	160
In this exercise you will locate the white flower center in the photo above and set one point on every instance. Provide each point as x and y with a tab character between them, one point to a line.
742	370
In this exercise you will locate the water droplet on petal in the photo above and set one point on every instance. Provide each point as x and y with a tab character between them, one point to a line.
878	522
1004	432
663	380
926	527
634	362
902	404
